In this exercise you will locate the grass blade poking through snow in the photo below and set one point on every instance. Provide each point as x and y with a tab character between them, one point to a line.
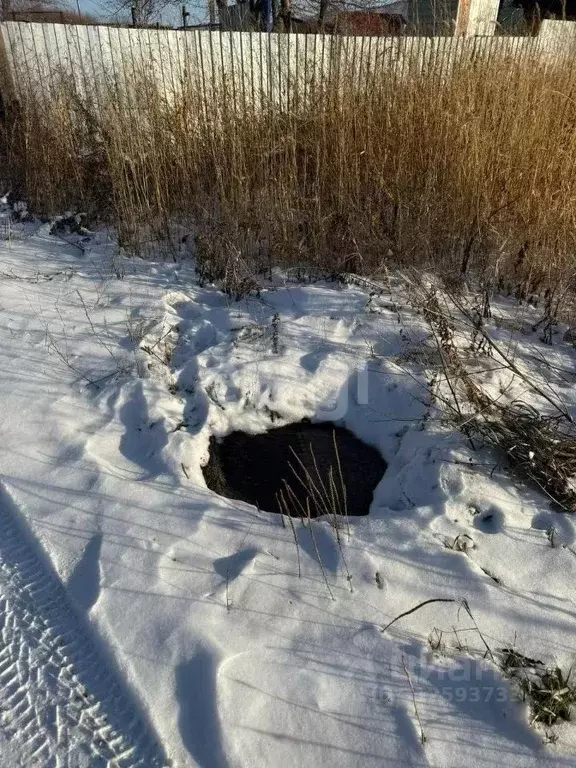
342	483
422	734
421	605
466	607
285	510
317	550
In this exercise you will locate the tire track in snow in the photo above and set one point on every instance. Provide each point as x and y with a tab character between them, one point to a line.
60	704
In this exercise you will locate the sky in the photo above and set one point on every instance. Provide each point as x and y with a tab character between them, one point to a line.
198	11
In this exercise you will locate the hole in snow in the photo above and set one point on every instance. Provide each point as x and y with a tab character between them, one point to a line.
316	468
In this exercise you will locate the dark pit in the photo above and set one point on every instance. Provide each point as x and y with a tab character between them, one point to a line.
302	469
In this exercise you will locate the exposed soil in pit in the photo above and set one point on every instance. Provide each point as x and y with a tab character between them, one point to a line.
319	468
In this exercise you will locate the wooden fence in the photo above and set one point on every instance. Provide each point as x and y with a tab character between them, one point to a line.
101	62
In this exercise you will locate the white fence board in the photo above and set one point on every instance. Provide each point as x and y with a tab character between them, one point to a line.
245	67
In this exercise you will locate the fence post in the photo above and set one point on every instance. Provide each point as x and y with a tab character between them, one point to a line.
476	18
558	37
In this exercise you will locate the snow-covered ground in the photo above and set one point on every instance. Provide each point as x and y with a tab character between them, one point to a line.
146	621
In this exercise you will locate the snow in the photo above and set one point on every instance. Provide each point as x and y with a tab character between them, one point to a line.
147	621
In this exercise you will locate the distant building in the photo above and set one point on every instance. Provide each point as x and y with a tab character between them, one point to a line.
373	23
430	17
49	15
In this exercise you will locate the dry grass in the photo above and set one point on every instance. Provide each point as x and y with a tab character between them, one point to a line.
540	449
548	690
539	446
467	168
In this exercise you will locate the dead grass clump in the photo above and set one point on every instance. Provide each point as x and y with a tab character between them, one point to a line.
548	690
540	449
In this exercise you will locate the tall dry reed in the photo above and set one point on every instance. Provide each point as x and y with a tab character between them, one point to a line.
461	159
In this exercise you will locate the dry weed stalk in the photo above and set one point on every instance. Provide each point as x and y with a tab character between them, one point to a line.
422	734
317	550
285	510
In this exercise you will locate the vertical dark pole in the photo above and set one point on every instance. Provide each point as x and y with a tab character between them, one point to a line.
286	14
268	15
134	16
185	16
322	13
